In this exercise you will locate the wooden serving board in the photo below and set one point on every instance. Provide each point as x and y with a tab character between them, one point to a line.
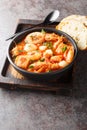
10	78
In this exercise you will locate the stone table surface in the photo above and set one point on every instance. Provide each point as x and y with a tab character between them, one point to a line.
39	110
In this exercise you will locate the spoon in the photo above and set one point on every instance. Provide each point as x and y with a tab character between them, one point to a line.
50	18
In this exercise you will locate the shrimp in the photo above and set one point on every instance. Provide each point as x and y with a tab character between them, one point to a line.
54	66
61	48
17	50
57	58
34	55
35	38
51	37
70	55
42	48
30	47
38	67
63	63
56	44
48	53
22	61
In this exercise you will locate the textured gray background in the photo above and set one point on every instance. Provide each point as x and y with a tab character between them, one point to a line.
32	110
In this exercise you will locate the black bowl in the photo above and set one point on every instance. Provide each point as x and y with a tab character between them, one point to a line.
42	76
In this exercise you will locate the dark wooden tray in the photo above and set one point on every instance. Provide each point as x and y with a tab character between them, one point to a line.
75	79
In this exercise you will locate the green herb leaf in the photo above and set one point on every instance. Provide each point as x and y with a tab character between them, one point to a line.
20	50
42	60
64	48
43	31
31	66
50	71
48	44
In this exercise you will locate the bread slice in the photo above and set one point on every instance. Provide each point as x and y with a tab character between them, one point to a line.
81	18
76	27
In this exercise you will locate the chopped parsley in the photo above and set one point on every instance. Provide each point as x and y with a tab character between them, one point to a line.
31	66
42	60
43	31
64	48
50	71
48	44
20	50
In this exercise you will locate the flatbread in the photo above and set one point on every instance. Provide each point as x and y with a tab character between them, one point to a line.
76	27
81	18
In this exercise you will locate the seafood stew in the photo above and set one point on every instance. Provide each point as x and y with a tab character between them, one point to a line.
43	51
43	74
